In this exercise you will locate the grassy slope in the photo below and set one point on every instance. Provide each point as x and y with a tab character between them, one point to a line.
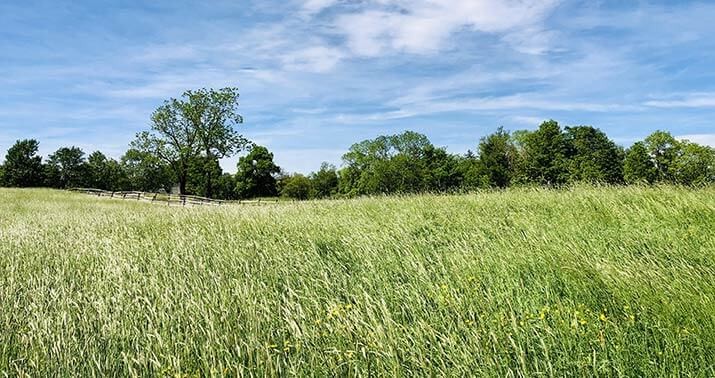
589	281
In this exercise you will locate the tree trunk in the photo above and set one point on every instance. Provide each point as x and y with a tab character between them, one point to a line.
209	186
182	183
208	166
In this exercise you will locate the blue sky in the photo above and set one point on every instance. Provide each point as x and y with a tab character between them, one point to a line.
316	76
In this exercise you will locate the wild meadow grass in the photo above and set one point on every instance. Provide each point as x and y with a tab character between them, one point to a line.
584	282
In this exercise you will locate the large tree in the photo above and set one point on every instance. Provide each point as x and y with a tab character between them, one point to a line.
324	181
663	149
199	123
256	174
546	155
497	154
694	165
593	157
146	172
23	167
66	168
214	114
104	173
638	167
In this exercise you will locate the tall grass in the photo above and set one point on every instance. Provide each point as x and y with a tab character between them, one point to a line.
589	281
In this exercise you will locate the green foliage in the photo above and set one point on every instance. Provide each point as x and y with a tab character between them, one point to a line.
201	121
324	182
497	155
517	283
104	173
296	186
694	165
203	175
546	155
226	187
23	167
146	172
593	157
638	166
402	163
67	168
255	176
663	149
472	172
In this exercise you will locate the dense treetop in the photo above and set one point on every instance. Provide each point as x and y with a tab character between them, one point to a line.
189	136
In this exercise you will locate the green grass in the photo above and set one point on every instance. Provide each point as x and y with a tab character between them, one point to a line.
590	281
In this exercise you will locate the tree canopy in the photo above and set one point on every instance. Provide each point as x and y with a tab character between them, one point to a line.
200	122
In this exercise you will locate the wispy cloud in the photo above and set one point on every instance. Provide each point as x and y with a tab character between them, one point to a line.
704	139
695	100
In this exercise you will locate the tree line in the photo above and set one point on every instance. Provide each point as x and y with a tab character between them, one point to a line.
188	136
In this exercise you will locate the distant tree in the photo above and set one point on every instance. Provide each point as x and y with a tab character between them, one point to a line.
497	155
546	155
472	173
66	168
2	175
694	165
593	157
392	164
146	172
255	176
663	149
638	167
324	181
214	114
104	173
296	186
23	167
226	187
440	170
203	169
201	121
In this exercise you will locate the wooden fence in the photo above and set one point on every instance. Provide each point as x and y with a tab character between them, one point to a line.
168	199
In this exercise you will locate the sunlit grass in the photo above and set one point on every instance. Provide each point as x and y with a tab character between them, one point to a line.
590	281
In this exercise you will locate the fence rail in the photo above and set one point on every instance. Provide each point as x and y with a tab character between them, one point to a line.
165	198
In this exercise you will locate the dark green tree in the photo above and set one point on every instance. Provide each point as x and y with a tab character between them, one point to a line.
694	165
201	122
23	167
663	149
546	155
440	170
214	114
104	173
497	155
324	181
226	187
638	167
391	164
66	168
146	172
201	170
471	172
255	176
296	186
593	157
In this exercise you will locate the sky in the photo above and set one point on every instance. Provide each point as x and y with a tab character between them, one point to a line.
316	76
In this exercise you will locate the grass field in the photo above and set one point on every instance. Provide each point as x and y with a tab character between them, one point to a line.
590	281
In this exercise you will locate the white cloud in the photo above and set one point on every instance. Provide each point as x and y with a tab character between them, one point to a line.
315	6
704	139
313	59
694	100
423	26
